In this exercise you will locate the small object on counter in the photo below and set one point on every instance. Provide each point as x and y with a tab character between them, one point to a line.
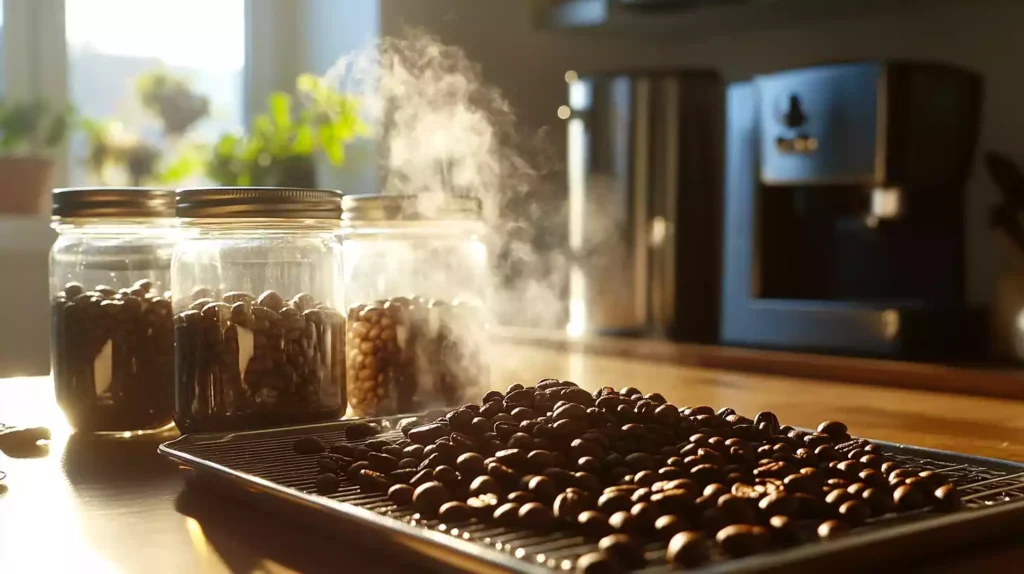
19	442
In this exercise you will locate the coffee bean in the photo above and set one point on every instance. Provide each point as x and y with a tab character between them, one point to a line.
597	563
947	498
373	481
428	433
740	540
688	549
832	428
455	512
624	549
428	498
779	504
536	516
908	497
831	529
445	474
327	483
854	512
593	523
471	465
611	502
484	485
507	513
309	445
569	504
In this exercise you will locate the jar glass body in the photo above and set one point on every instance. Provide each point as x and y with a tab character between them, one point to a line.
111	340
416	296
258	340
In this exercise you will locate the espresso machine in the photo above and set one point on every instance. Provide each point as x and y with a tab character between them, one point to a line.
844	211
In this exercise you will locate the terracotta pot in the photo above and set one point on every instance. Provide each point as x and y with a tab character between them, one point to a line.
25	185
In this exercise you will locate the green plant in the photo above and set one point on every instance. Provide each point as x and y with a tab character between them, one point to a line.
117	155
32	127
171	99
282	144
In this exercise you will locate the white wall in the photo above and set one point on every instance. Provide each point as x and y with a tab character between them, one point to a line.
529	64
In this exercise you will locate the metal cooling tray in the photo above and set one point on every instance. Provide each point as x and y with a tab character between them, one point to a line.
263	466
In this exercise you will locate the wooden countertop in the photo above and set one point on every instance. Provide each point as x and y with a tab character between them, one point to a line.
115	505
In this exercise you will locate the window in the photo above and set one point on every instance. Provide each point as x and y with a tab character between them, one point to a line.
111	43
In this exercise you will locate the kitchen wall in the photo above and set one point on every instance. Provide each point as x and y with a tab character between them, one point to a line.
529	65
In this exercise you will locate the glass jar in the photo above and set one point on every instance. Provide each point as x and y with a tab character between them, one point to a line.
416	292
256	278
111	336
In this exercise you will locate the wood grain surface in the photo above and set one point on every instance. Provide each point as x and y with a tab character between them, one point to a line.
89	505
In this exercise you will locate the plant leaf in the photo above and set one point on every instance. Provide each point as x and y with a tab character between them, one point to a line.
280	106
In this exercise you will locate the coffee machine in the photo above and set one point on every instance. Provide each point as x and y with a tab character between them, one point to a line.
844	210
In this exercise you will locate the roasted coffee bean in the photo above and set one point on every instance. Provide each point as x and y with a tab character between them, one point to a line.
355	468
832	428
327	483
586	481
401	494
382	462
484	485
645	513
667	525
343	449
471	465
427	434
361	430
428	498
611	502
947	498
908	497
593	523
521	497
403	475
779	504
445	474
597	563
569	504
742	540
507	513
855	512
624	522
879	499
454	512
422	477
688	549
831	529
373	481
738	510
624	549
536	516
309	445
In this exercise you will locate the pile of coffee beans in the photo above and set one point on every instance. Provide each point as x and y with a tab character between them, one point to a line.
629	469
113	361
249	362
409	354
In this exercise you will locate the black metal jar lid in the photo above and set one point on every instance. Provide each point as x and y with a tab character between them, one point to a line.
114	202
258	202
425	207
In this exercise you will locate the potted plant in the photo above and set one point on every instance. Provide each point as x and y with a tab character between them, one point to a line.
30	132
281	148
117	156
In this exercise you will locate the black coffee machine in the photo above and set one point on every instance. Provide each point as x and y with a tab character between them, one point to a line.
844	211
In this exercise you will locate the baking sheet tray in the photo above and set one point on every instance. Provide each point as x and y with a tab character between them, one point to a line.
263	466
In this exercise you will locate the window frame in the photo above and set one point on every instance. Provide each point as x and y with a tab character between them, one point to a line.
35	55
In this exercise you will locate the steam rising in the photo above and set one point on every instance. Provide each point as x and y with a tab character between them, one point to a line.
444	131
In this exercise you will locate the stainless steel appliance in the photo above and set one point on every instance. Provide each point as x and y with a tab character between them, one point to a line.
644	164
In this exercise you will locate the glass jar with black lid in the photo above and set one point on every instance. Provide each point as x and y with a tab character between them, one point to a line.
111	336
417	284
258	339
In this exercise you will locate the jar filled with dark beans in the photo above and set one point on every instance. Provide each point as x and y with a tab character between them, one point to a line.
111	336
416	285
258	339
630	473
